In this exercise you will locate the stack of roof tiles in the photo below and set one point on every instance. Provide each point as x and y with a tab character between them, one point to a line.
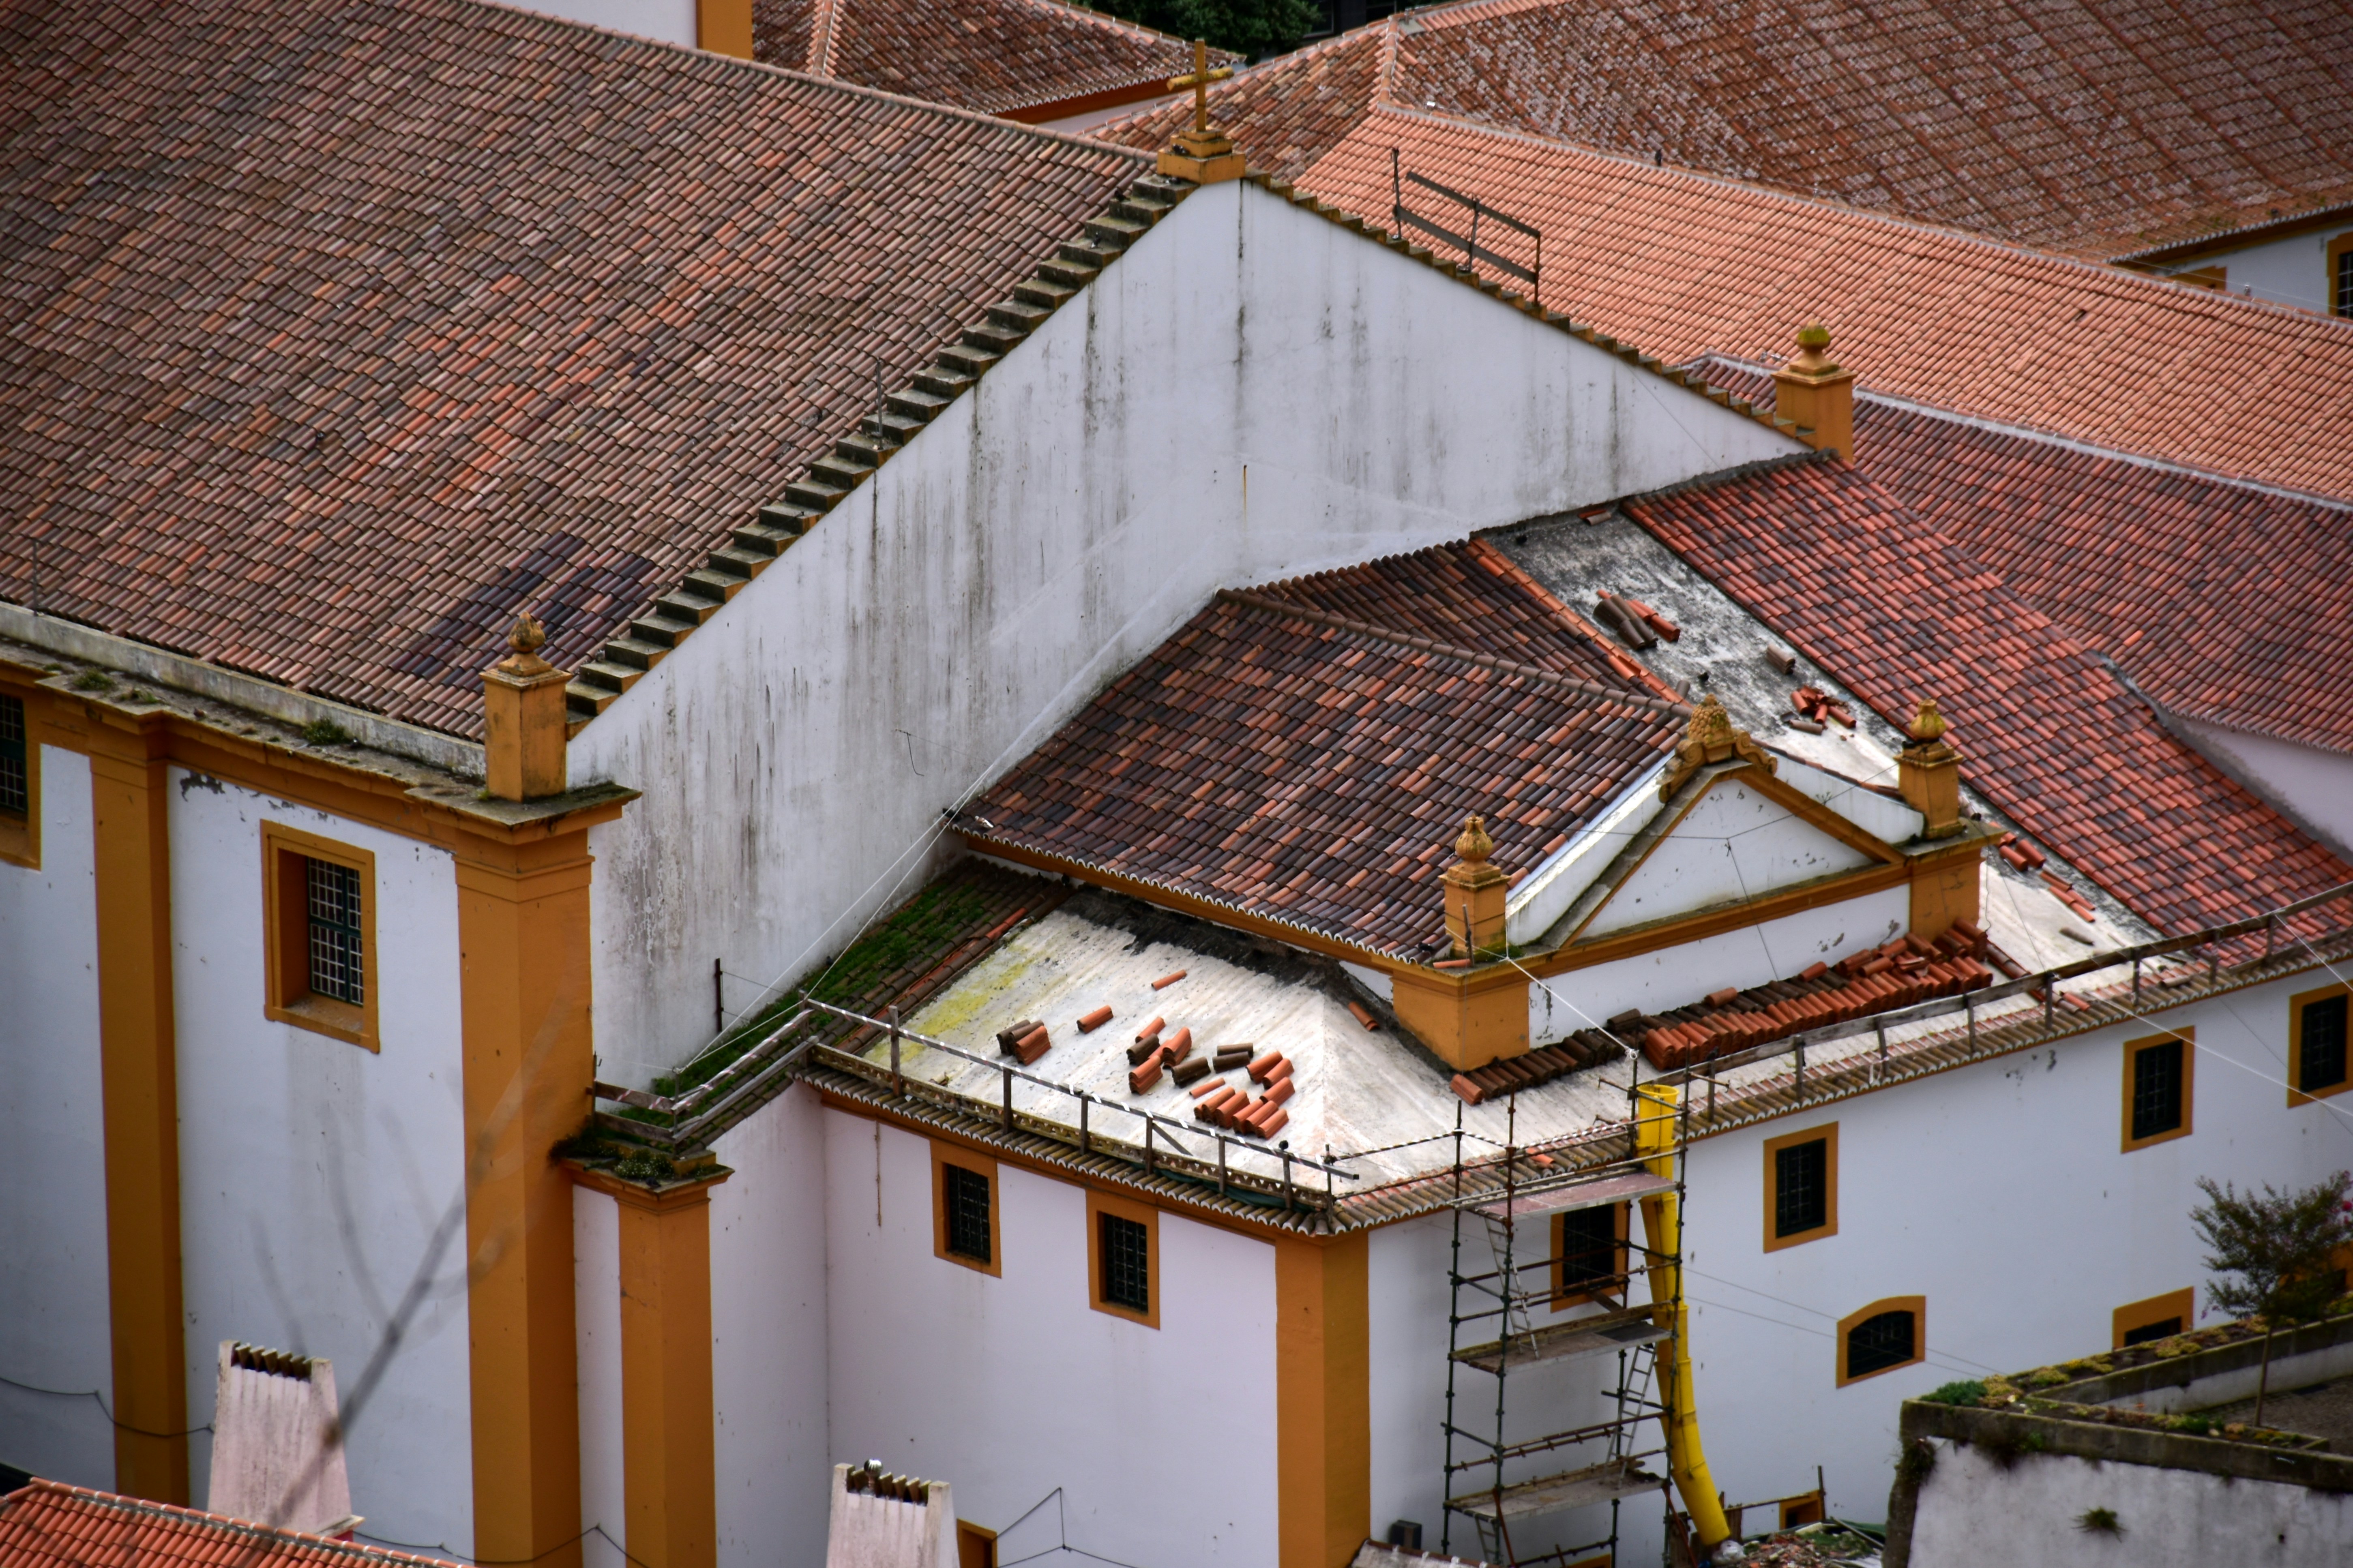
2095	127
2047	731
49	1525
341	329
1314	769
999	57
1585	1048
1875	980
2226	602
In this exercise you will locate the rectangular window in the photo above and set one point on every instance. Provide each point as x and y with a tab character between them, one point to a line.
1801	1187
2158	1073
1882	1337
1123	1258
2340	258
2316	1032
20	786
320	902
964	1209
1589	1257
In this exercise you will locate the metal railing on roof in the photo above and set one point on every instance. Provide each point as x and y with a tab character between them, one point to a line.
1405	217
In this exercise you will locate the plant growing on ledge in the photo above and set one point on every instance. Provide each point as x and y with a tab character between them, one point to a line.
2279	1246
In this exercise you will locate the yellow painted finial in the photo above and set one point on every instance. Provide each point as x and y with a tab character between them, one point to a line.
1473	846
1928	724
527	636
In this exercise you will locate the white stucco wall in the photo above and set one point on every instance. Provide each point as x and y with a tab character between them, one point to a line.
2000	1192
1679	977
312	1172
1251	393
54	1320
2315	786
671	21
596	1323
1972	1511
1735	845
1163	1440
2293	272
768	1352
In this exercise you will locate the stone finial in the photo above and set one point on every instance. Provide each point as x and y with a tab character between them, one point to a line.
1473	846
523	717
1813	352
1928	724
528	636
1816	395
1710	737
1928	773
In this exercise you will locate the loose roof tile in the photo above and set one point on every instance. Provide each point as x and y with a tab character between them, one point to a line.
999	57
1312	769
2226	602
50	1525
433	310
1867	588
2089	127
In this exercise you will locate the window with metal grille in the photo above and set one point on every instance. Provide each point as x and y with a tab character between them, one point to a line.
1801	1188
1588	1249
1879	1342
2344	282
1126	1264
966	1195
2320	1047
2157	1089
336	966
15	795
2163	1329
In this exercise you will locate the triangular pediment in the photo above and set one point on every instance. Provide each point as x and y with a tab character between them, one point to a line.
1737	841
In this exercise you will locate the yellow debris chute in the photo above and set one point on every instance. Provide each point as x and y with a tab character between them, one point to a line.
1654	1140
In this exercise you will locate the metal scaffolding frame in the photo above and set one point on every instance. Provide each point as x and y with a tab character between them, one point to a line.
1522	1478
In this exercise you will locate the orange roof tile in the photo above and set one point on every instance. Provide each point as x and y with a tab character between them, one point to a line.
2090	127
1000	57
341	329
1684	264
50	1525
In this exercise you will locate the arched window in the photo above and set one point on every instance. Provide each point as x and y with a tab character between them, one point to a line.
1882	1337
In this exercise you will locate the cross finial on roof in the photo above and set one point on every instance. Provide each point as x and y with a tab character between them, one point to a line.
1204	155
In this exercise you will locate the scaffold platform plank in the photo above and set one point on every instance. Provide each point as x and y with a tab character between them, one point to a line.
1552	1494
1580	1196
1618	1331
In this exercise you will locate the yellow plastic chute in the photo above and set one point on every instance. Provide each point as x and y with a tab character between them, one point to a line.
1655	1139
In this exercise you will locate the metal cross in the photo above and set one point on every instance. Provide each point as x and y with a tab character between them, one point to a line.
1199	82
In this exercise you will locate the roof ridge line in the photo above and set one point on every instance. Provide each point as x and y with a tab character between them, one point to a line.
148	1507
1825	458
2052	437
1503	566
1450	650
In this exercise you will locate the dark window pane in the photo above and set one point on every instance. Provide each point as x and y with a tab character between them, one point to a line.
336	966
1877	1343
1588	1249
2157	1089
2164	1329
967	1200
1124	1265
2345	283
1801	1188
13	794
2320	1058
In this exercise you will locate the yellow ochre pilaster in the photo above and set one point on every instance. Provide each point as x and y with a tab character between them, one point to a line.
668	1433
1323	1399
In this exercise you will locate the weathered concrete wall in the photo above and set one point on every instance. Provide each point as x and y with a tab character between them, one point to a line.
2315	786
1958	1188
312	1171
1162	1440
2293	272
1251	393
54	1317
1735	845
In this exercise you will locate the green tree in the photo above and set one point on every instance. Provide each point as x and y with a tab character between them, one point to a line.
1253	29
2278	1246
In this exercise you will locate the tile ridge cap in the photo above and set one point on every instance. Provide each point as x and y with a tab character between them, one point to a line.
1120	25
823	31
147	1506
1825	458
2321	210
1481	549
1281	608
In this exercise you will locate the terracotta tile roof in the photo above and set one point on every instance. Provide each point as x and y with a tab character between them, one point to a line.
338	328
999	57
1683	265
2091	127
1863	585
1286	764
2224	601
1287	112
49	1525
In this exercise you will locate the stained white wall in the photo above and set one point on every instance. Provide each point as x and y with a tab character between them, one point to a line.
1735	845
2293	272
312	1172
1251	393
54	1318
2316	786
671	21
1678	977
768	1350
1163	1440
1998	1191
1973	1511
596	1321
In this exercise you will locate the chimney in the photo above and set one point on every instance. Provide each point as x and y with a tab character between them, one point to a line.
278	1455
523	721
1475	894
1928	774
1816	395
